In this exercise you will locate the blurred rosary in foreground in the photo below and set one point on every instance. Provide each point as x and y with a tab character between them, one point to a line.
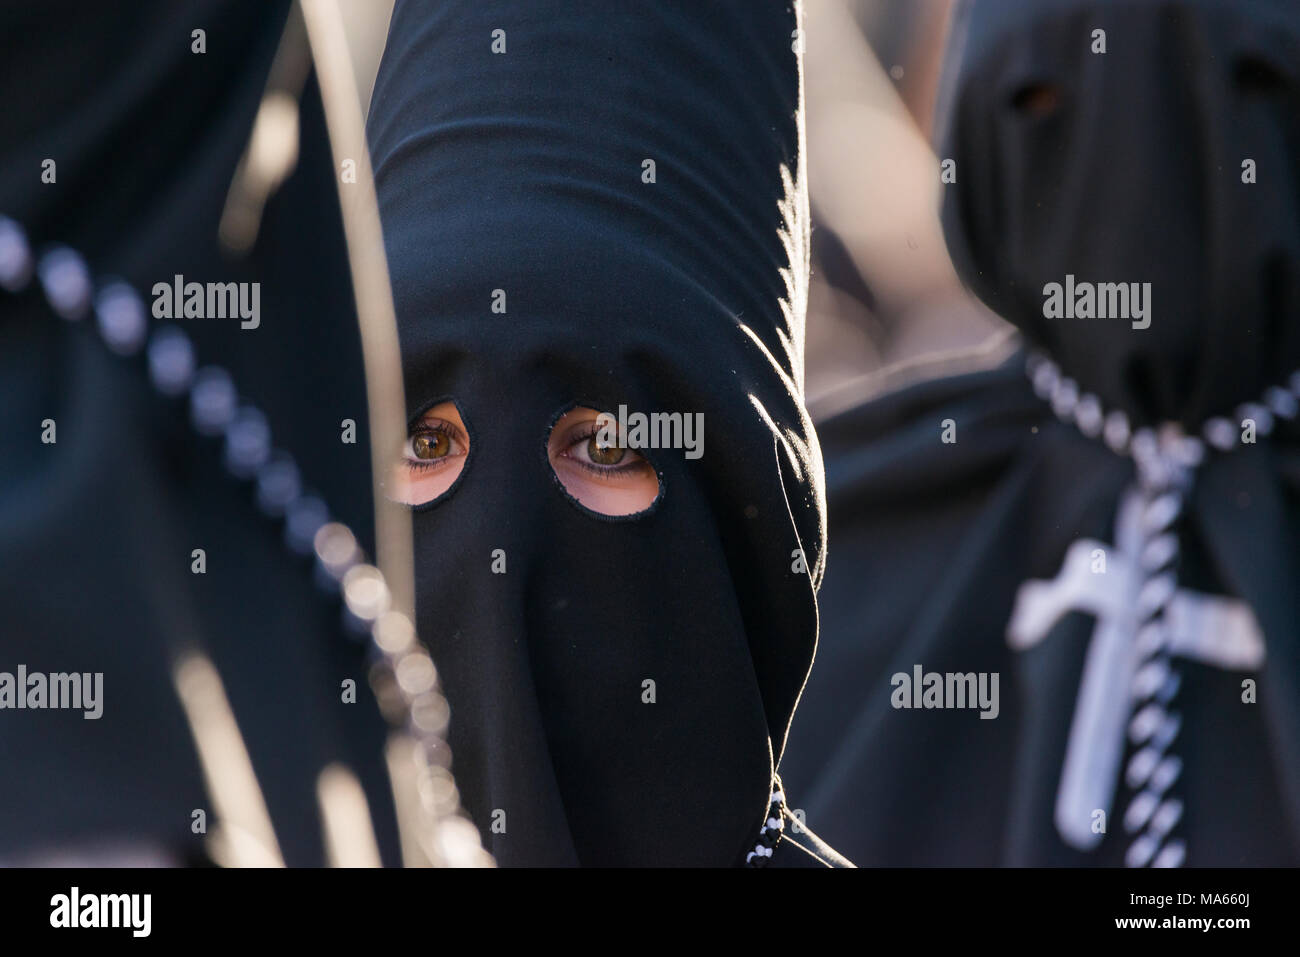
433	831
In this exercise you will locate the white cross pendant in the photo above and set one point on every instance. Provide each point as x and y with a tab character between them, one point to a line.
1214	630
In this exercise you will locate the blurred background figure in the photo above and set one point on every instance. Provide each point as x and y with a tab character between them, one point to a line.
883	292
1096	540
642	207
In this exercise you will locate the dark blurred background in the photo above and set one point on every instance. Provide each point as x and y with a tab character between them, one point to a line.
884	302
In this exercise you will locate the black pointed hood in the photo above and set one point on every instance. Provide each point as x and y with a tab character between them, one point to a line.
1075	162
631	182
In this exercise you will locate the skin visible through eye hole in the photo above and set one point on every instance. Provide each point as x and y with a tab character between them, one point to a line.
431	458
606	479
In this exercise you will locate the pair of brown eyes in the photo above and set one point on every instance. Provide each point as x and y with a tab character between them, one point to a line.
1251	74
597	469
433	445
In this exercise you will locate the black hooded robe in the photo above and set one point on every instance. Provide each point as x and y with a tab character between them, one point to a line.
952	500
625	186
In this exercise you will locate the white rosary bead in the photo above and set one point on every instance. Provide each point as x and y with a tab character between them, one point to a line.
1262	418
1089	416
367	597
1283	404
336	550
15	256
1220	433
1046	376
278	484
1116	432
1166	773
304	517
66	281
171	361
248	442
1144	723
212	401
119	313
1173	855
1191	451
1065	397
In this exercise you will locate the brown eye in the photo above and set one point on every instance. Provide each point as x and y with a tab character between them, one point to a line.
604	454
1258	77
431	458
1037	99
431	445
597	467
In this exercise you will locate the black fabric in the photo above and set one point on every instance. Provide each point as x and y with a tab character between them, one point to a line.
96	531
1136	176
522	171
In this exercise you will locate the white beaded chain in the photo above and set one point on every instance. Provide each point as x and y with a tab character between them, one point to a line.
402	674
769	835
1166	459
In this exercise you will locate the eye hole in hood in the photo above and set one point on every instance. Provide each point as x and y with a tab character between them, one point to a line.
1037	100
432	458
599	464
1256	76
